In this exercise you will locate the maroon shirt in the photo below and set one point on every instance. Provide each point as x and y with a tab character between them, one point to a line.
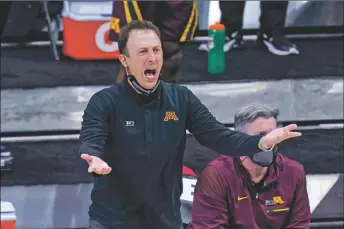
225	197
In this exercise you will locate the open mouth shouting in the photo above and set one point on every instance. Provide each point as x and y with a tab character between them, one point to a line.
150	74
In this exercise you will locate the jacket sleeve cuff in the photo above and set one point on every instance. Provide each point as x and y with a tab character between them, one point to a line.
254	144
84	149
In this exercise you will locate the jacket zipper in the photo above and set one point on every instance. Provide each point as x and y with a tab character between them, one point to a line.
144	128
259	215
255	207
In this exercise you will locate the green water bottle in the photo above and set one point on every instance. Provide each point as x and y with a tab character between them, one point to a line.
216	55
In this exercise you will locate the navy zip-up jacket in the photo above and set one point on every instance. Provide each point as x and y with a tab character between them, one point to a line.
142	138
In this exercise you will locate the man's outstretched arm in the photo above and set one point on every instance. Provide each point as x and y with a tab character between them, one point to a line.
94	132
214	135
209	208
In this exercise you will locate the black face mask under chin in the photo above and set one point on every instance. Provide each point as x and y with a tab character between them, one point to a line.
141	89
264	158
136	84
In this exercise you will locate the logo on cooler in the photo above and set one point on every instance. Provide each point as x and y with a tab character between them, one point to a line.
102	41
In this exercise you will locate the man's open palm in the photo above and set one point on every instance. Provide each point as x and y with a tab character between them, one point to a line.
96	165
280	134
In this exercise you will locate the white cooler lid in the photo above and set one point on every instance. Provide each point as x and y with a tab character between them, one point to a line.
7	211
87	10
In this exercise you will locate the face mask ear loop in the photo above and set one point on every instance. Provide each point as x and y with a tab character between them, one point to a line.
126	68
244	159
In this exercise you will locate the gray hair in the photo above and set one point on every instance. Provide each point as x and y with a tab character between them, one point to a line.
251	112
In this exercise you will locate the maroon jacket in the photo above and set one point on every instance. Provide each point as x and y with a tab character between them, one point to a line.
225	197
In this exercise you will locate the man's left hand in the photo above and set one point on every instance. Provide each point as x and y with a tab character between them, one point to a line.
279	135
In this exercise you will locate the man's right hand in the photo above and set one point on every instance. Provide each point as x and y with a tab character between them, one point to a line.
96	165
279	135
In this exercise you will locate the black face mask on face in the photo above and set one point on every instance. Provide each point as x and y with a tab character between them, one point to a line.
265	158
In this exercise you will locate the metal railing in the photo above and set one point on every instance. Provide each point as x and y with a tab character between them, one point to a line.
58	135
327	224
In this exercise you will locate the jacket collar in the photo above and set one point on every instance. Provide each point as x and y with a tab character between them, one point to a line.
274	170
272	173
153	99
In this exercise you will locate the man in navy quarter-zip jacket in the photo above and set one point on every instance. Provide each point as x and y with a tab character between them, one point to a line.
133	138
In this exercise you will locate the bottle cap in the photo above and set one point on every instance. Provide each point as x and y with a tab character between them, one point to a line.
217	26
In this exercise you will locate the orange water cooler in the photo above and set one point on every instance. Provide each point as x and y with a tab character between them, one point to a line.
8	216
86	28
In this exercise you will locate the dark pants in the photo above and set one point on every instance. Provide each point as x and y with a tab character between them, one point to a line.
272	16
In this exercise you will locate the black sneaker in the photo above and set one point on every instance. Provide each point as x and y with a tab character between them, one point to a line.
277	45
235	41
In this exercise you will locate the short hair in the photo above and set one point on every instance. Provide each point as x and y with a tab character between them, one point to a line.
251	112
134	25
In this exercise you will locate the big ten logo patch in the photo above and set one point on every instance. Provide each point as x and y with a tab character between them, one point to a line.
275	200
102	36
170	115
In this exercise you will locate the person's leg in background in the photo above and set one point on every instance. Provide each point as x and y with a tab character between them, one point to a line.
177	21
232	17
203	12
271	35
172	61
232	13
